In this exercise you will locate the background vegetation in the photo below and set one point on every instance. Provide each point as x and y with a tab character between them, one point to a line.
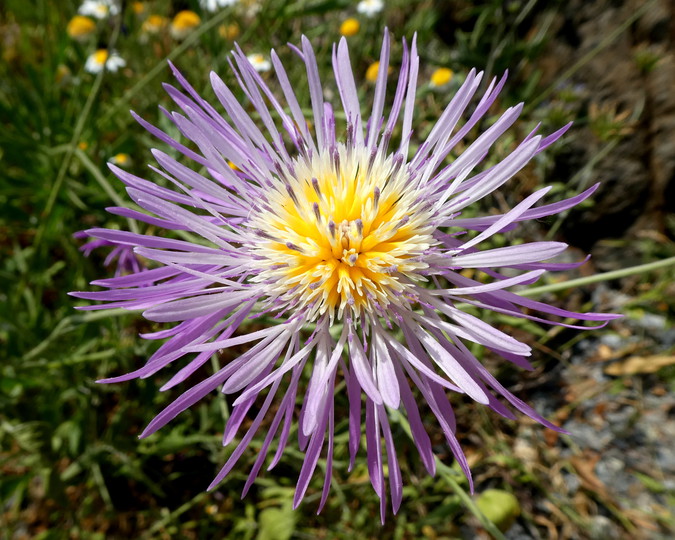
71	465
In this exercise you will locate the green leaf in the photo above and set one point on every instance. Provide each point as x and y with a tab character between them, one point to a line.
500	507
276	523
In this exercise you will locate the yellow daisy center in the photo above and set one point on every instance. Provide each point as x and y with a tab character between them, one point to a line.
101	56
441	77
80	26
342	232
350	27
186	20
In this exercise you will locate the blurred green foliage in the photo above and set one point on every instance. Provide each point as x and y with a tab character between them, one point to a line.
70	463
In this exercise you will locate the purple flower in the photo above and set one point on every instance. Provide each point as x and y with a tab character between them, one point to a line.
352	248
127	260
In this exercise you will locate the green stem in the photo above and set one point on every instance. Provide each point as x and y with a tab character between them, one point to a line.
77	132
449	476
103	182
606	276
190	40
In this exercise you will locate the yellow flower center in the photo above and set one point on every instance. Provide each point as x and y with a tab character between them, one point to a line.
153	24
229	31
186	20
101	56
138	8
441	77
350	27
121	159
80	26
342	233
371	72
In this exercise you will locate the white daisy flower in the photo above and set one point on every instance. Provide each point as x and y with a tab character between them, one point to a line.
259	62
101	58
370	8
215	5
99	9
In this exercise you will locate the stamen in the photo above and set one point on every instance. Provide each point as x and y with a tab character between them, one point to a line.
315	185
265	235
350	133
401	223
350	269
359	227
292	195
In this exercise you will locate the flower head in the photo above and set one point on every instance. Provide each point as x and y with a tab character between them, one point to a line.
80	27
372	71
259	62
350	27
97	60
354	246
99	9
154	24
183	23
229	32
440	77
370	8
215	5
123	160
139	8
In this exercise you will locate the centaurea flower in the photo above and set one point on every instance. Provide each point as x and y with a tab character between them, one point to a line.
343	232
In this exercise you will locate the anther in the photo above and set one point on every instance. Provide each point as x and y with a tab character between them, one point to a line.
350	133
371	160
292	195
331	228
401	223
263	234
376	197
359	227
398	160
317	213
315	185
291	245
